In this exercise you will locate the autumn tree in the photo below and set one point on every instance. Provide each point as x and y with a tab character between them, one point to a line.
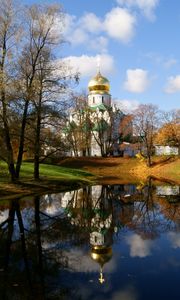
126	128
169	133
145	124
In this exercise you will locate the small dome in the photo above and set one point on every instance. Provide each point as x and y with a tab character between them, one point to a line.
99	84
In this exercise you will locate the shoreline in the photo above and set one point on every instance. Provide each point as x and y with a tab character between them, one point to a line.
103	170
127	169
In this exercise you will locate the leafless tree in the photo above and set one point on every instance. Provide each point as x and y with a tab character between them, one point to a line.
9	37
40	37
78	129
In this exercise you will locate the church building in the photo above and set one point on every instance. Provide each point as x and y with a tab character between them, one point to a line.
94	130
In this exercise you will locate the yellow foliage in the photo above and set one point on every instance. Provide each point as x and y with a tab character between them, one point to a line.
169	134
140	156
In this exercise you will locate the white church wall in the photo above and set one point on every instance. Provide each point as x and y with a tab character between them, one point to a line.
97	99
96	191
95	148
97	238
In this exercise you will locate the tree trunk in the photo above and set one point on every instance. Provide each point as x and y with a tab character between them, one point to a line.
9	235
39	244
149	160
22	137
23	243
10	159
7	250
37	145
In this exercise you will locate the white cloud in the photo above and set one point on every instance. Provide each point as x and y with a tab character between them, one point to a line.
86	265
73	32
137	80
173	85
79	36
69	21
126	105
147	7
120	24
87	65
91	23
138	246
89	29
174	238
99	44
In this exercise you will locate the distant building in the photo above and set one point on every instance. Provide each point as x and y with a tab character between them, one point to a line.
95	129
167	190
166	150
128	149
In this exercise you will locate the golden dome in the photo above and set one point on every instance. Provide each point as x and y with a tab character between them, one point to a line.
101	254
99	84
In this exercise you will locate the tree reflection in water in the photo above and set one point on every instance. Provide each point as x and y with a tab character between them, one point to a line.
37	235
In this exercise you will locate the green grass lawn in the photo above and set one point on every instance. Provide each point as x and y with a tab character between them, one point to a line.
47	172
52	178
55	177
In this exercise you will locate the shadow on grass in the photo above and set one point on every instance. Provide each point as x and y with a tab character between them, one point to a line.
164	161
80	162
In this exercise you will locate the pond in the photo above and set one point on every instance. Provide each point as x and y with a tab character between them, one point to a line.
118	242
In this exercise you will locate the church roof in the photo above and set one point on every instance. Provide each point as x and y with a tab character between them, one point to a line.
101	107
99	83
101	254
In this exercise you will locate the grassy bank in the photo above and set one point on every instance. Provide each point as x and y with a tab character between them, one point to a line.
74	172
52	178
163	168
125	170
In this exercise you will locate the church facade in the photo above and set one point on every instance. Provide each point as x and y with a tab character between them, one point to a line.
94	129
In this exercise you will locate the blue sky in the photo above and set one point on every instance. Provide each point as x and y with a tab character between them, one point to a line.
138	43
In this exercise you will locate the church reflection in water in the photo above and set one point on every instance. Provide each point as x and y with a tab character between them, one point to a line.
92	208
46	228
104	210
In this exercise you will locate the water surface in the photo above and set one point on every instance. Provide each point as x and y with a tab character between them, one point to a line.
119	242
